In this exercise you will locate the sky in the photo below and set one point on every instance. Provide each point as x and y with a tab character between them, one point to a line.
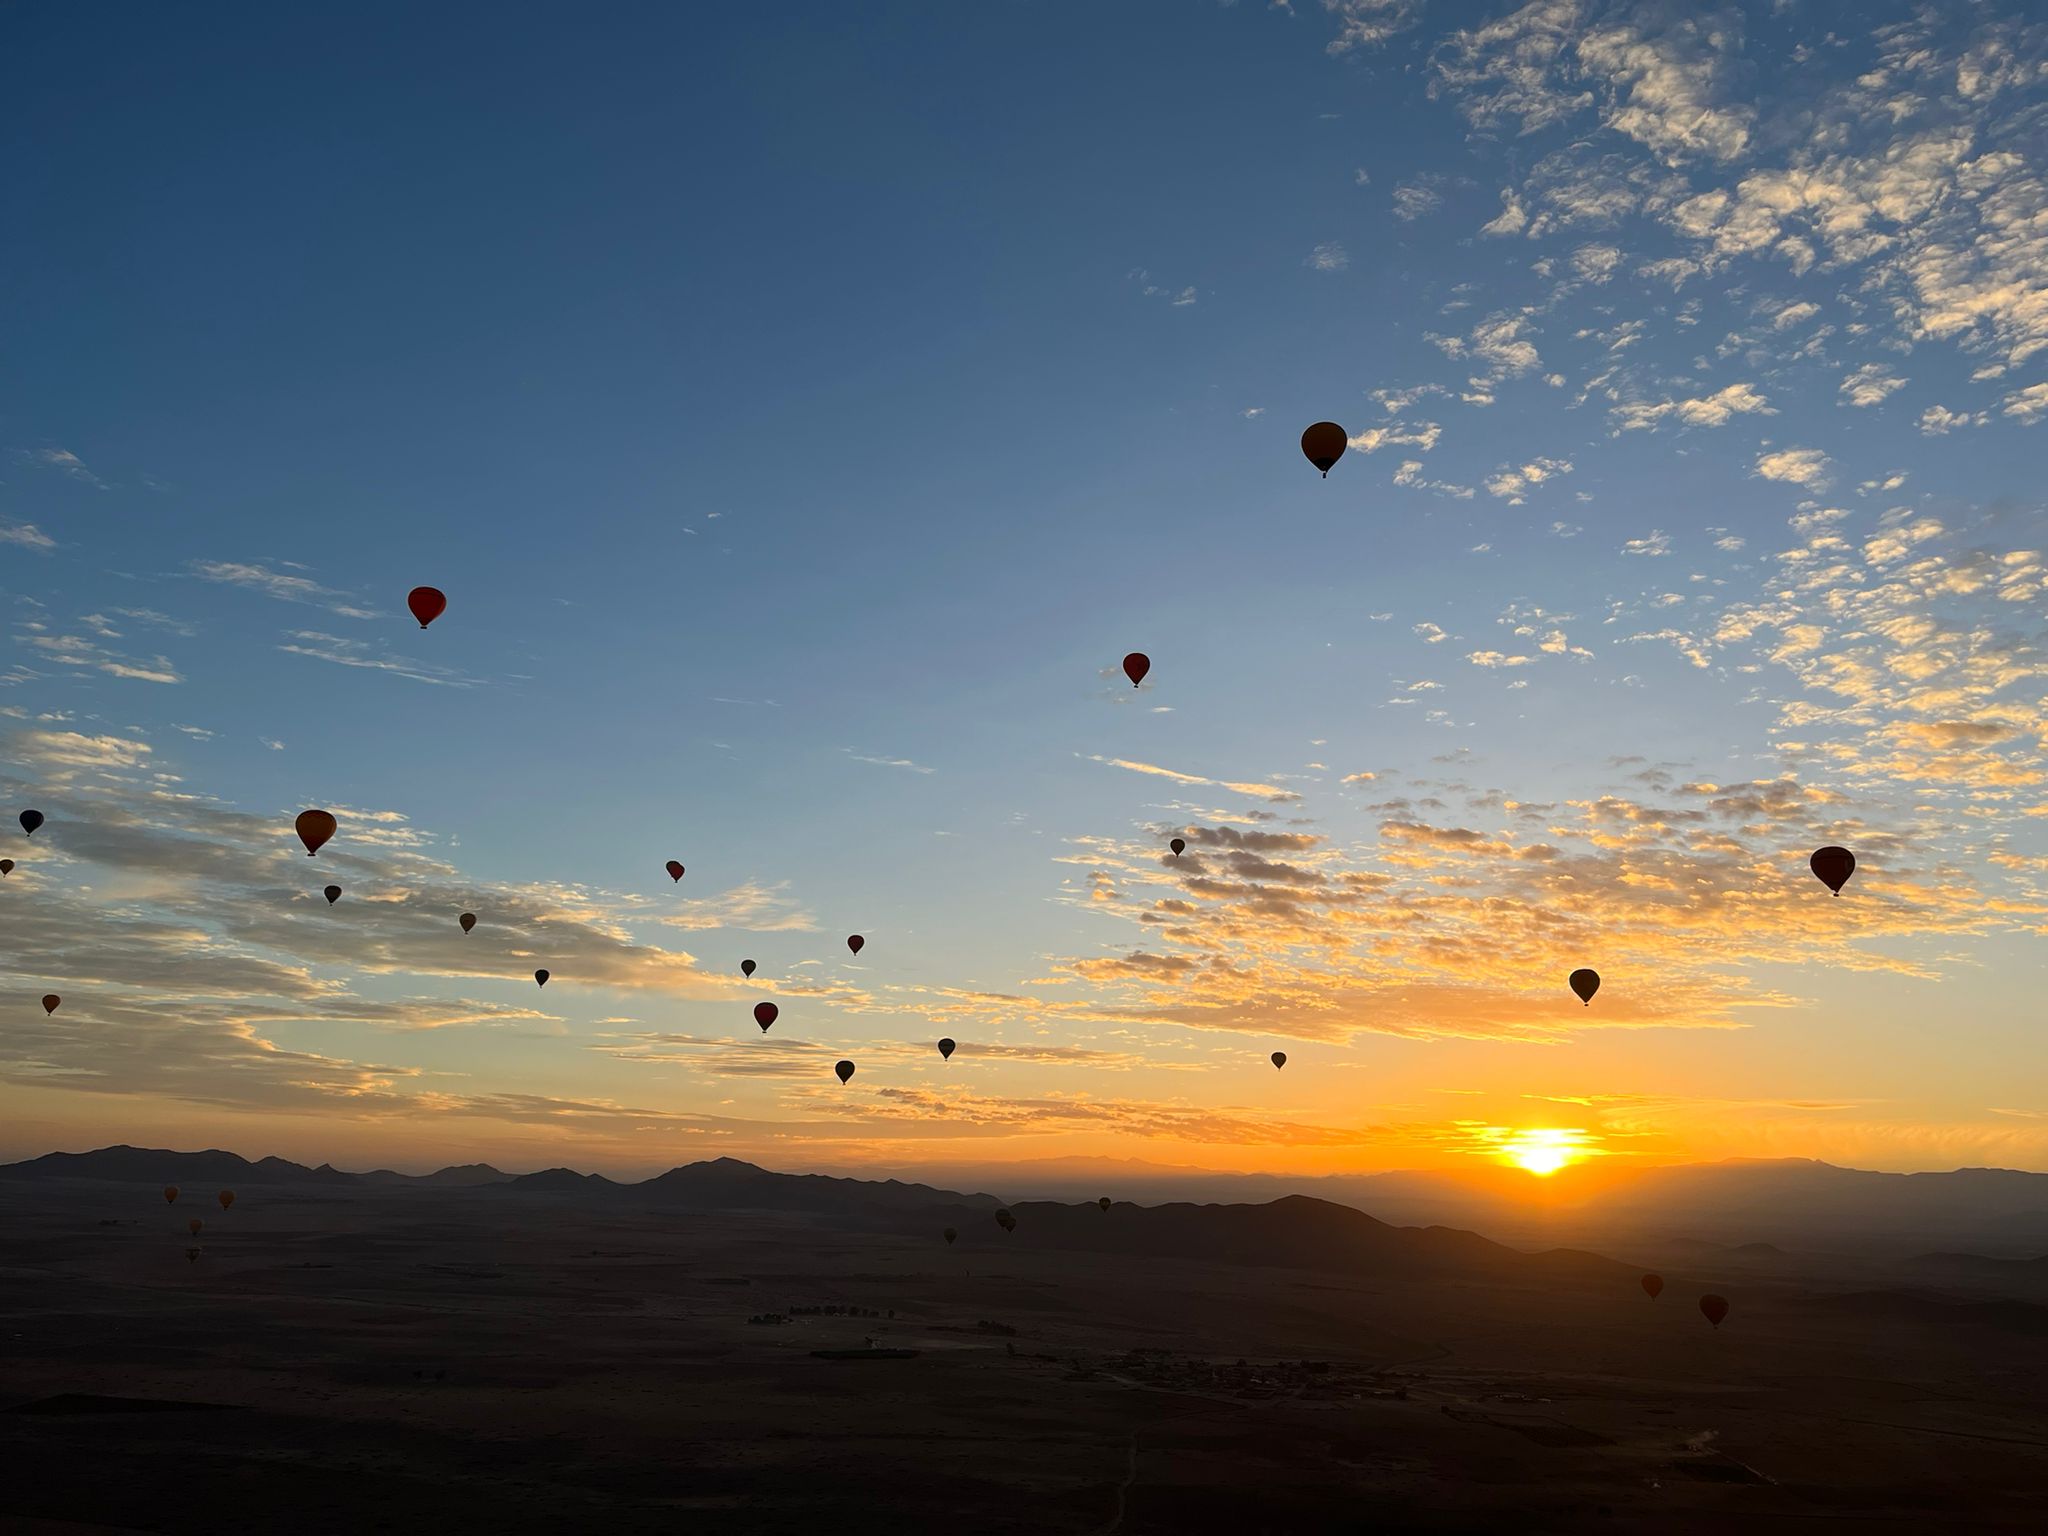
805	408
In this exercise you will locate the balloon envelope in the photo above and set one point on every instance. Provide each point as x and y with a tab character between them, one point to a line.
314	828
30	820
1136	665
540	978
1279	1060
6	866
675	870
170	1194
427	604
765	1014
1714	1308
1179	846
1323	445
950	1236
946	1049
50	1002
194	1225
332	893
227	1198
1104	1202
844	1069
856	943
468	921
1653	1286
1585	983
1833	866
746	967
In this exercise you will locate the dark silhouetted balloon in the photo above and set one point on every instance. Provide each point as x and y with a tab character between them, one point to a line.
675	870
1714	1308
856	943
30	820
6	866
540	978
1006	1221
427	604
946	1049
746	967
50	1002
951	1237
468	921
194	1225
170	1194
1279	1060
1105	1202
1585	983
332	893
1179	846
844	1069
1833	866
1136	665
1323	445
1653	1286
226	1198
314	828
766	1014
192	1254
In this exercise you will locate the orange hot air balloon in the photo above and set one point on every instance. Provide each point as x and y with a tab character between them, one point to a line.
50	1002
1279	1060
1714	1308
951	1236
540	978
946	1049
855	943
427	604
226	1198
170	1194
6	866
1833	866
332	893
468	921
746	967
1585	983
1179	846
314	828
765	1014
1323	445
675	870
1105	1202
1136	665
194	1225
844	1069
1653	1286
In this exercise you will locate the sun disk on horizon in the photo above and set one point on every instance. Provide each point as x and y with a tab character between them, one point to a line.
1543	1152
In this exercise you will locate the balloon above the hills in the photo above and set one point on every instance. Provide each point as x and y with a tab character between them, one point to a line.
468	921
1105	1202
1714	1308
50	1002
765	1014
746	967
427	604
540	978
1833	866
1323	445
675	870
1136	665
1585	982
844	1069
951	1237
170	1194
856	943
1006	1221
1179	846
30	820
314	829
332	893
1279	1060
1653	1286
226	1198
946	1049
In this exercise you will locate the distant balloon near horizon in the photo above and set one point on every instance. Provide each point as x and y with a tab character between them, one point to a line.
467	920
1136	665
226	1198
427	604
766	1014
675	870
51	1001
1713	1309
1179	846
332	893
170	1194
1323	444
6	866
30	820
746	967
540	978
856	943
1279	1060
1105	1202
1833	866
951	1236
844	1069
1585	982
314	829
1006	1221
1653	1286
946	1049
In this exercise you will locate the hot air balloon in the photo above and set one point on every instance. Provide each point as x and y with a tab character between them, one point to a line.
50	1002
1105	1202
675	870
1323	445
1006	1221
6	866
314	828
1136	665
226	1198
1279	1060
1714	1308
746	967
1653	1286
192	1254
951	1235
1585	983
427	604
194	1225
540	978
946	1049
765	1014
170	1194
844	1069
1833	866
1179	846
30	820
468	921
856	943
332	893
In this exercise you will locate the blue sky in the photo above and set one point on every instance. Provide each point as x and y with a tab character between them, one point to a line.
805	409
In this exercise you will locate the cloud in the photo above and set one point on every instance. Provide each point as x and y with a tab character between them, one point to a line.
2027	405
1370	23
1410	474
1328	257
1258	791
1420	434
1870	384
26	536
887	762
1412	200
1939	420
357	653
285	588
65	463
1658	543
1513	483
1797	466
1715	410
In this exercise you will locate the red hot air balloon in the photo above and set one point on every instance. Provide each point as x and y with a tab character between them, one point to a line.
844	1069
1653	1286
540	978
332	893
1833	866
946	1049
765	1014
1323	445
856	943
226	1198
427	604
50	1002
314	828
746	967
6	866
1136	665
170	1194
194	1225
30	820
468	921
1714	1308
1179	846
1279	1060
675	870
1585	983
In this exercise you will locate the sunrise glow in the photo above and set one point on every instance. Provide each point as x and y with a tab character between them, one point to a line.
1544	1152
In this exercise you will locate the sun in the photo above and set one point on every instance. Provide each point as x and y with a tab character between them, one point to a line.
1543	1152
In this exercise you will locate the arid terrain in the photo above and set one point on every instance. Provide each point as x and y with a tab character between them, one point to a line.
521	1358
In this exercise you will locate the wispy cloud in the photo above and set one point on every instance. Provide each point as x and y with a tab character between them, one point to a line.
285	588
